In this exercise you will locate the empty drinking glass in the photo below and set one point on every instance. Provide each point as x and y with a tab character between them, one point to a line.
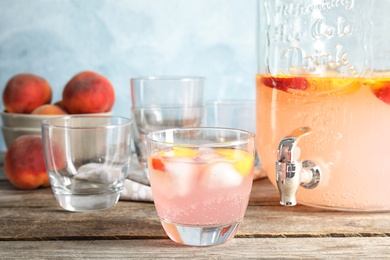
161	103
88	159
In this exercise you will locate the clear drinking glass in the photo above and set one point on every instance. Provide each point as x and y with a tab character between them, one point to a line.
161	103
88	159
201	179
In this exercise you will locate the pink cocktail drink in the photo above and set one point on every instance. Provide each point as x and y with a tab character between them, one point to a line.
201	192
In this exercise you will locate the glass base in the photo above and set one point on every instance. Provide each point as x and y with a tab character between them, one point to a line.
86	203
198	235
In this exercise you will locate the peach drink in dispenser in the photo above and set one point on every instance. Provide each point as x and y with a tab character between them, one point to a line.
315	70
348	136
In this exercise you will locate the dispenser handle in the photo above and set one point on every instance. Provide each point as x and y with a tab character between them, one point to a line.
286	150
289	170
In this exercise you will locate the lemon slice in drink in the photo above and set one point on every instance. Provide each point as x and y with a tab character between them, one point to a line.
184	152
242	161
333	86
179	152
157	163
378	80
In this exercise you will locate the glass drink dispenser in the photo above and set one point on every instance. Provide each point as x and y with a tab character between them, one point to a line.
323	101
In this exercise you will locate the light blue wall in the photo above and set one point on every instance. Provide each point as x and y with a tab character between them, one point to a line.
125	38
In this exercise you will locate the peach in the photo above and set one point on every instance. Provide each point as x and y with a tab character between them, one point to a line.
49	109
60	103
24	92
24	163
88	92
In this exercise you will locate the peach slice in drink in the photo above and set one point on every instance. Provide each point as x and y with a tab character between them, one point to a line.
380	85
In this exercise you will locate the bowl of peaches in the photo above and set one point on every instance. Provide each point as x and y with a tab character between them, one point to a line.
27	100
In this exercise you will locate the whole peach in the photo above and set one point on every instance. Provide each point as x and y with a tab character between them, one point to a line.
49	109
60	104
24	92
88	92
24	163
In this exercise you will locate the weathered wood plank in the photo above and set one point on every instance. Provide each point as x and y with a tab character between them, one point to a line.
238	248
35	215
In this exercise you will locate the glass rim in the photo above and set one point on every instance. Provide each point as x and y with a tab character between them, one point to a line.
167	78
251	136
50	122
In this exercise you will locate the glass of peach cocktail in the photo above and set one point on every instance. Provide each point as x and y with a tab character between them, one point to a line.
201	180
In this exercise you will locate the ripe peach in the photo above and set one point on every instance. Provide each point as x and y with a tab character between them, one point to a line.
49	109
88	92
24	92
60	104
24	163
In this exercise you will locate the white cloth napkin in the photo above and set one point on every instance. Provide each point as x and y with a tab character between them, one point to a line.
136	185
136	191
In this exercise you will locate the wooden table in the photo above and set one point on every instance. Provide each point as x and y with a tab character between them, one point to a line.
32	226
